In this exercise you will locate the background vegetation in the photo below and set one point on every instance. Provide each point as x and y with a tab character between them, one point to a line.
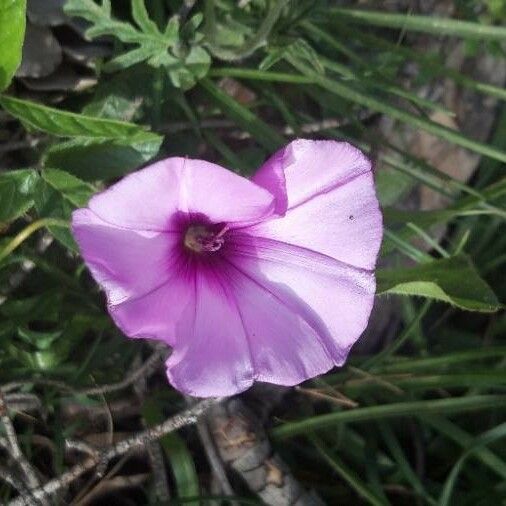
417	416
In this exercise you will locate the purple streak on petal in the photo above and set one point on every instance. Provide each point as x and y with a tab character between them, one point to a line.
211	355
124	262
334	298
148	198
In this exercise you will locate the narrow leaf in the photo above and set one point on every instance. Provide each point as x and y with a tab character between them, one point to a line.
426	24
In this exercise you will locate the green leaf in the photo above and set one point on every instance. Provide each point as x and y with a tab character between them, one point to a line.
93	159
58	195
263	133
353	94
12	32
178	455
346	473
392	410
454	280
426	24
69	124
198	61
141	17
478	444
185	65
16	193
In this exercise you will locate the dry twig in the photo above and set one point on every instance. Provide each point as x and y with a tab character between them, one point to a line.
177	421
13	447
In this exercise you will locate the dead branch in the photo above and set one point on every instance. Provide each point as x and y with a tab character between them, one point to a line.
243	445
177	421
14	449
214	459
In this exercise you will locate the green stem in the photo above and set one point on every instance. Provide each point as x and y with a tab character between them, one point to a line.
28	231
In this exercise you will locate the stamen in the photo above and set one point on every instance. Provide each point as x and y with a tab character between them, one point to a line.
201	238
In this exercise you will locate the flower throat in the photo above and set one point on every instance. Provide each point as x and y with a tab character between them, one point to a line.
204	238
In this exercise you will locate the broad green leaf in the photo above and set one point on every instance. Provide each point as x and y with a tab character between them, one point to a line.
58	195
69	124
12	32
16	193
427	24
93	159
453	280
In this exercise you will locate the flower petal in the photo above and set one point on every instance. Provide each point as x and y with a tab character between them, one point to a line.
335	299
155	314
126	263
150	198
285	349
332	205
305	168
211	355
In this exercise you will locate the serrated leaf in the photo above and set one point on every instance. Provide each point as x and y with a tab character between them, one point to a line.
93	159
58	195
17	188
69	124
12	32
453	280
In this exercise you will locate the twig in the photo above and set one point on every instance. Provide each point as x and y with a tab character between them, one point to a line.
16	484
81	447
14	449
179	420
155	453
144	369
214	459
342	400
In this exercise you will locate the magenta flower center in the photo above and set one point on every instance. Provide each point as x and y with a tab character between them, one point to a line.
204	238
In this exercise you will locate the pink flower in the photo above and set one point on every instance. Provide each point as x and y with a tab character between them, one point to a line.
269	279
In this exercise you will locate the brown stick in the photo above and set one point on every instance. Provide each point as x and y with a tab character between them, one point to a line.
13	447
177	421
